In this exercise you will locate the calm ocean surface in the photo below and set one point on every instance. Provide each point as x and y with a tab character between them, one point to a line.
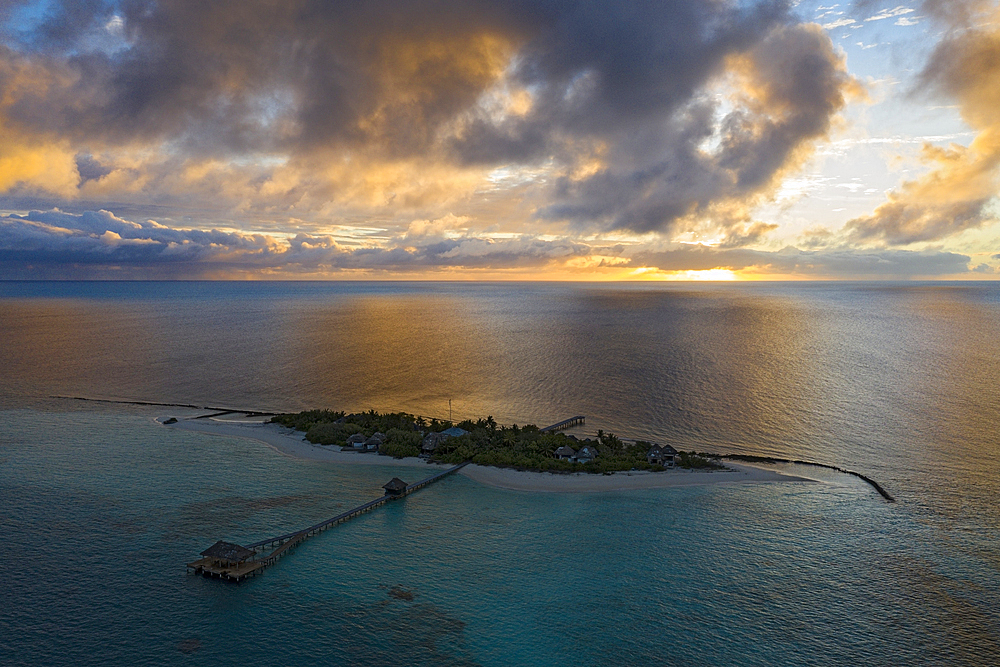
100	507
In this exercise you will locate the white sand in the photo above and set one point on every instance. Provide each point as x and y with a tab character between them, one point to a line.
590	483
291	443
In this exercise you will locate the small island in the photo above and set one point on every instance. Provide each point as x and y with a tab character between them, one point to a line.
484	442
517	458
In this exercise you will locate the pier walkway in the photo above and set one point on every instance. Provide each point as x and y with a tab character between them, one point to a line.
237	569
566	423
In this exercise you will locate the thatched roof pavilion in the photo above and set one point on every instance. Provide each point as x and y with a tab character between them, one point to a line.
229	552
394	487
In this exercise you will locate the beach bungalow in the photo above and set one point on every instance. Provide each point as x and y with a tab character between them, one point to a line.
373	443
565	453
586	454
356	441
663	455
394	487
454	432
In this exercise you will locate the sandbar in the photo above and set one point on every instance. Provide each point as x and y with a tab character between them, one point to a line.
292	443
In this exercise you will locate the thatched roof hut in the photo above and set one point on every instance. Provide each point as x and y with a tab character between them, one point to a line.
229	552
565	453
394	487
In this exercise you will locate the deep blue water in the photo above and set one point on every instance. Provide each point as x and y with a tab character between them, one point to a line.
100	507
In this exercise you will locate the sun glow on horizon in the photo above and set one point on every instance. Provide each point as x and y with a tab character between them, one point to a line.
706	275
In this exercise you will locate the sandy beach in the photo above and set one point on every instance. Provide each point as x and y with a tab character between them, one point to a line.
292	443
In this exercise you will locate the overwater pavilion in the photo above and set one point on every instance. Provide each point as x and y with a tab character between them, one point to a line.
394	487
226	560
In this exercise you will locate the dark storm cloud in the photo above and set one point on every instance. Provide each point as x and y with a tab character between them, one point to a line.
67	20
794	83
244	75
230	69
599	69
621	81
90	169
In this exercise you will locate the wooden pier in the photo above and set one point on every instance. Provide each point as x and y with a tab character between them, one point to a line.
566	423
233	562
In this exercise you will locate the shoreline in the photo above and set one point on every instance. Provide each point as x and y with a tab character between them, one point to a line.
289	442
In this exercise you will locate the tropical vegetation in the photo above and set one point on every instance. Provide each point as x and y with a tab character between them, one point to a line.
485	443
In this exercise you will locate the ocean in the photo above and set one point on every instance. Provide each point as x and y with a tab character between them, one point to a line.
100	507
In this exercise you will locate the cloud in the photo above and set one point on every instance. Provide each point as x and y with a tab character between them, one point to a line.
385	74
839	23
899	10
448	224
387	108
95	243
392	135
787	90
956	193
100	245
957	13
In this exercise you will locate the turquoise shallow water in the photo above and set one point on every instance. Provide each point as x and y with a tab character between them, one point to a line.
101	510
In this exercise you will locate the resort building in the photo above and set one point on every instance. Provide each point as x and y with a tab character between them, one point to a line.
373	443
356	441
661	455
586	454
565	453
432	440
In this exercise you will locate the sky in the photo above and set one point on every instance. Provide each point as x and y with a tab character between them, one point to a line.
500	139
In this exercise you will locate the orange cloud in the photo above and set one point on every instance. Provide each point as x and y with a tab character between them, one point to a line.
30	160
